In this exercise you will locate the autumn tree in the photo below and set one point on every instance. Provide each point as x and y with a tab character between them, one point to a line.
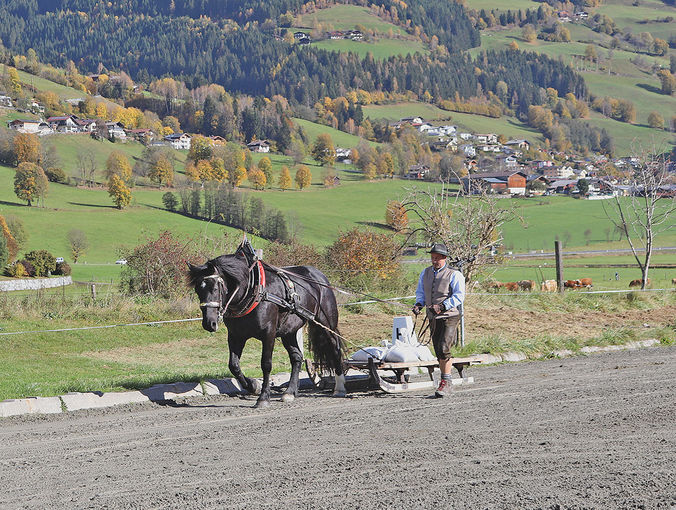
201	148
303	177
323	150
655	120
396	216
86	166
257	178
528	33
330	177
237	176
27	148
119	191
78	242
30	182
118	164
11	246
285	178
162	171
265	166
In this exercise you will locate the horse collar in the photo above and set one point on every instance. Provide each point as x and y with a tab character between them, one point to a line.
256	288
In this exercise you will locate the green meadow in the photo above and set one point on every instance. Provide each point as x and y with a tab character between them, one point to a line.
347	17
340	138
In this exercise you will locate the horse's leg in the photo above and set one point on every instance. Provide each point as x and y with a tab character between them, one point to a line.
296	357
236	346
339	388
266	367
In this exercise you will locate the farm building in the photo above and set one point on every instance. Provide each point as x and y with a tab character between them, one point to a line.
513	182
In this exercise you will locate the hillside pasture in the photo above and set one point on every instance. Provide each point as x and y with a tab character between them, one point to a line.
340	138
347	17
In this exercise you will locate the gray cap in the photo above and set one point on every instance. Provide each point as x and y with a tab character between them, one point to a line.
439	248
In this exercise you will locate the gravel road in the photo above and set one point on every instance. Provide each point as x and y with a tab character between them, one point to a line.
586	432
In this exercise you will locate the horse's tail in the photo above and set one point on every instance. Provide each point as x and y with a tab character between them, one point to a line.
326	345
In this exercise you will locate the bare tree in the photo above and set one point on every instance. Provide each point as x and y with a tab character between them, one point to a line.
86	166
469	223
649	209
78	243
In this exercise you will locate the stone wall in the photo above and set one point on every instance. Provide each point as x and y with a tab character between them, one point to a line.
35	283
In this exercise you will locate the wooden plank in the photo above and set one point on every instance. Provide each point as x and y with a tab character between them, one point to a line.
389	365
419	385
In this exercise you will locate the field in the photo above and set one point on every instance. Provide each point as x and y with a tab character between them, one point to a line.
340	138
347	17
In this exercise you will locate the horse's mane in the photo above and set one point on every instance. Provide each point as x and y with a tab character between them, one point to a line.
232	266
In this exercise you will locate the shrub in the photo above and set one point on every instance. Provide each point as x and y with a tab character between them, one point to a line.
63	269
158	267
28	266
56	175
44	263
4	251
16	270
170	201
366	260
292	254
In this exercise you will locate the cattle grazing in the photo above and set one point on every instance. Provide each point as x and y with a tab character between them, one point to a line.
586	283
638	283
512	286
572	284
549	286
493	286
526	285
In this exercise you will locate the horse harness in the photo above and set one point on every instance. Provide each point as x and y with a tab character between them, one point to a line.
256	293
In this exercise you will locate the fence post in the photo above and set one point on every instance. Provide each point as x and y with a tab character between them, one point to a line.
93	291
559	265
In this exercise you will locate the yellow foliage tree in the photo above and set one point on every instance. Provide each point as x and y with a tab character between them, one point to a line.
30	182
162	171
285	178
303	177
396	216
237	176
118	164
119	191
12	245
27	148
257	179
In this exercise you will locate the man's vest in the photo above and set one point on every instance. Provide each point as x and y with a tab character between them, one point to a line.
436	288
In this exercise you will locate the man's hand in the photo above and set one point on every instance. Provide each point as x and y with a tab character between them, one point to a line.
416	309
437	309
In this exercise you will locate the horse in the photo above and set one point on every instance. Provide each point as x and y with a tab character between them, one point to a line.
256	300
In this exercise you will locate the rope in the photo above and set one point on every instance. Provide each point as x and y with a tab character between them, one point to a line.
84	328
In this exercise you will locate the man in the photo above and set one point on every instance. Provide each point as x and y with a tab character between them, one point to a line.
440	290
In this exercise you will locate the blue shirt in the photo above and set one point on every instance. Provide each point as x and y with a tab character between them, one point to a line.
456	294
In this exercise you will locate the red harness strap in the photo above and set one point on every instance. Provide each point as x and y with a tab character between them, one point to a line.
259	293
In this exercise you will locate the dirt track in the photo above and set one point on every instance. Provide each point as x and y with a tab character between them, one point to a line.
585	432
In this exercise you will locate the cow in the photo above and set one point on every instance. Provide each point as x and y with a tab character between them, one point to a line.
586	283
512	286
572	284
528	285
673	281
638	283
549	286
493	286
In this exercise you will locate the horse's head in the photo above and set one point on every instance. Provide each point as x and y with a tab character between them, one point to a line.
212	290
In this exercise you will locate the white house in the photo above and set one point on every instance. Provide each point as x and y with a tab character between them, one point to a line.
465	136
63	124
468	150
24	125
258	146
179	140
6	101
486	138
116	131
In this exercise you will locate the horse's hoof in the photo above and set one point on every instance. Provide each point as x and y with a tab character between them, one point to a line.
262	404
288	397
340	394
256	387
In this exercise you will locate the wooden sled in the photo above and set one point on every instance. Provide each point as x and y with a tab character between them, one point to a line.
401	381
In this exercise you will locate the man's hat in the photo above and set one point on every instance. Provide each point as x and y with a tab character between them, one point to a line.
439	248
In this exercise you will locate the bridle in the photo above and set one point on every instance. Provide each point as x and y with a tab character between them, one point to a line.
220	284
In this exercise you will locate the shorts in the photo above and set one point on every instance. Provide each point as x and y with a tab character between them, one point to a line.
444	335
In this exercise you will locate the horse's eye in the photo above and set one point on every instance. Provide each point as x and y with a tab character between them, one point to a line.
203	284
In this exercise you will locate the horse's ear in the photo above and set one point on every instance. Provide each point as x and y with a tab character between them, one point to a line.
191	268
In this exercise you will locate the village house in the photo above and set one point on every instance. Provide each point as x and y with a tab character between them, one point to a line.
413	121
520	143
258	146
465	136
489	138
141	135
343	155
513	182
417	172
490	148
37	127
562	186
506	162
6	102
179	141
86	125
63	124
468	150
558	172
36	107
116	131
